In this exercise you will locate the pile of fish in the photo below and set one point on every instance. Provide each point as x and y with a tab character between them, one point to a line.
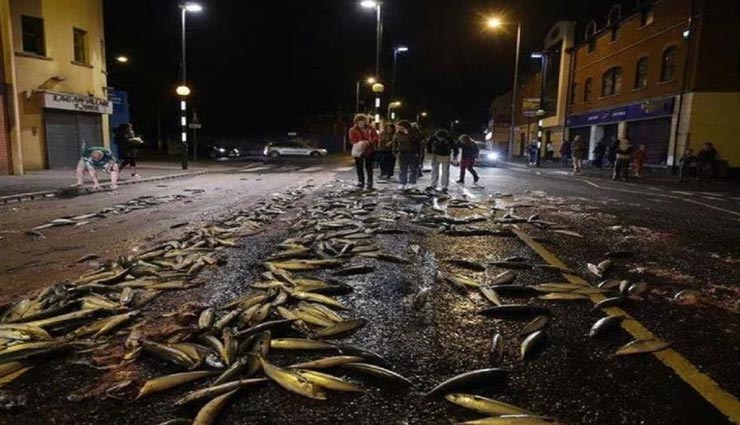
140	203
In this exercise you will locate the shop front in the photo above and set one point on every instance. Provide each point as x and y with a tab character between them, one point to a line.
72	123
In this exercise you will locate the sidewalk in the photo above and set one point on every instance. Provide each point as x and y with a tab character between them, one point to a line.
52	183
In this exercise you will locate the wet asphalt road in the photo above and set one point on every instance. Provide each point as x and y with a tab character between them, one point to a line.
678	245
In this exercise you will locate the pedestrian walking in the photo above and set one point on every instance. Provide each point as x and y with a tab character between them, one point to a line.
687	164
532	150
364	140
549	151
128	145
408	145
565	153
385	152
94	159
640	156
623	155
416	132
706	161
441	148
579	154
599	152
611	154
468	153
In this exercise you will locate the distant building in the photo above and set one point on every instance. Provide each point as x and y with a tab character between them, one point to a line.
53	97
662	75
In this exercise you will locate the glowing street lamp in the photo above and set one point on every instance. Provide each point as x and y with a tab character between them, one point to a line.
370	81
494	22
393	105
192	7
183	91
421	115
396	51
378	6
122	59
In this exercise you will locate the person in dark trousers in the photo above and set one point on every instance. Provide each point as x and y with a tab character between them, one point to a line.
418	134
623	156
532	150
384	151
611	154
687	162
565	153
364	139
128	145
441	148
579	151
408	145
706	161
599	152
468	153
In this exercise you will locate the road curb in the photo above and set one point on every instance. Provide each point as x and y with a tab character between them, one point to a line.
86	190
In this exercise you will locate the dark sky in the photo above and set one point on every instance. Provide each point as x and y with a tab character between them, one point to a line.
260	66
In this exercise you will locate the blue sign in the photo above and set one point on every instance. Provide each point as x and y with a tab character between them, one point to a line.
652	108
120	115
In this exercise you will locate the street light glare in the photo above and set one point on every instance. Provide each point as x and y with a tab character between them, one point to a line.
182	90
423	114
402	49
372	80
122	59
494	22
193	7
369	4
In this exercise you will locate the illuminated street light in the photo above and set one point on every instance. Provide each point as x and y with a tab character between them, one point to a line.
193	7
421	115
393	105
494	22
372	80
369	81
122	59
182	91
378	6
396	51
369	4
536	55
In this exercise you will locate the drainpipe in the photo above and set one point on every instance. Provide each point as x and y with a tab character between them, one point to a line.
569	101
684	79
11	91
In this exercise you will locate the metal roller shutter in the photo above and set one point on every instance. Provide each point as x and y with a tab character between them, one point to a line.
66	135
654	134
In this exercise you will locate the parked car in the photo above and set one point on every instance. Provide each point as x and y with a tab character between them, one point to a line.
487	156
221	152
274	150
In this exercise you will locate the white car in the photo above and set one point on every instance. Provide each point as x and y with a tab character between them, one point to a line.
278	149
487	156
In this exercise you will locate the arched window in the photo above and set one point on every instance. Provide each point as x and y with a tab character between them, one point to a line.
590	31
641	70
668	64
587	87
611	82
615	14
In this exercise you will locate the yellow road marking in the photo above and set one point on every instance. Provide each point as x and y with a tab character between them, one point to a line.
723	401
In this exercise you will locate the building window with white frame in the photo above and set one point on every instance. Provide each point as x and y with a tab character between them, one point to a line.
611	82
32	29
641	73
668	64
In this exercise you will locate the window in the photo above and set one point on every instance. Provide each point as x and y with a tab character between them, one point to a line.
611	82
668	65
33	35
641	73
587	89
80	45
573	93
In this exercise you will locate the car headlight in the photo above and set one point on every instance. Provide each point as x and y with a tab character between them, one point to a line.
492	156
222	150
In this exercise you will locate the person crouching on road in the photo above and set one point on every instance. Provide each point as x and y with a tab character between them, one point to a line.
408	145
97	158
385	145
468	153
442	149
364	139
622	164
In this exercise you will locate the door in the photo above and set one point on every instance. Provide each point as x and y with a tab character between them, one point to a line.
610	133
655	135
583	132
67	133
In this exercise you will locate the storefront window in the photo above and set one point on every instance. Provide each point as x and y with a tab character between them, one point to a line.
611	82
641	73
668	68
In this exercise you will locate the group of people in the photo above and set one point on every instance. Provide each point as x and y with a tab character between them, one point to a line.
701	166
98	158
404	143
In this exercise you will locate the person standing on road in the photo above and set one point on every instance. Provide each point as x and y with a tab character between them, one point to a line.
386	157
622	164
687	162
442	149
640	156
599	152
97	158
128	144
611	154
416	132
468	153
549	151
565	153
408	145
364	139
579	153
706	161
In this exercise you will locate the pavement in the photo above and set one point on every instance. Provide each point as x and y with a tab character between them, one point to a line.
682	239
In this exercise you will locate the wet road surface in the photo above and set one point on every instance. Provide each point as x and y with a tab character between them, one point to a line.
677	247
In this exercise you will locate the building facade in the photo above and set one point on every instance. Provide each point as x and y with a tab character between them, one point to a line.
55	83
666	75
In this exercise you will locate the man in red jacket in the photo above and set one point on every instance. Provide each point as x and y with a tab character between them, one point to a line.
364	139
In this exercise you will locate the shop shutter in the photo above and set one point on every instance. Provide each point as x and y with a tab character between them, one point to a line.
654	134
62	145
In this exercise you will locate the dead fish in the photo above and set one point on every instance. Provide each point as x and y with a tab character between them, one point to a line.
217	389
392	258
504	278
368	355
292	381
515	311
531	343
688	297
378	372
300	344
608	284
605	324
595	270
512	420
327	362
355	270
467	379
163	383
328	381
206	319
340	328
420	299
207	414
485	406
516	290
640	346
537	324
497	348
611	302
490	294
605	266
563	296
467	264
87	257
637	289
568	233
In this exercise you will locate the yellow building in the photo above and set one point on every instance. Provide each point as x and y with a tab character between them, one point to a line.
54	67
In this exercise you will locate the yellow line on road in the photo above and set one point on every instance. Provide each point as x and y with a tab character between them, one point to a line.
723	401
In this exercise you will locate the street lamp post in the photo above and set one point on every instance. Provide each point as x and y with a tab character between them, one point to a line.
396	51
378	6
496	23
370	81
183	91
392	105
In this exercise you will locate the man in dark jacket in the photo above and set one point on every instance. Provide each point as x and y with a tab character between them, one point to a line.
468	153
565	153
706	160
599	152
441	148
387	159
408	145
128	145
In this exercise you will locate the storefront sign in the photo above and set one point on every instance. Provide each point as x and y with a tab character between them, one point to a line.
648	109
74	102
530	106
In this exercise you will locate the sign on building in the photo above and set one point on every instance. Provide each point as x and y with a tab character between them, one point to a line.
530	106
75	102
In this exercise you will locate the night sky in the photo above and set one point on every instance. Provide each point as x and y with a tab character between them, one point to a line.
259	67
